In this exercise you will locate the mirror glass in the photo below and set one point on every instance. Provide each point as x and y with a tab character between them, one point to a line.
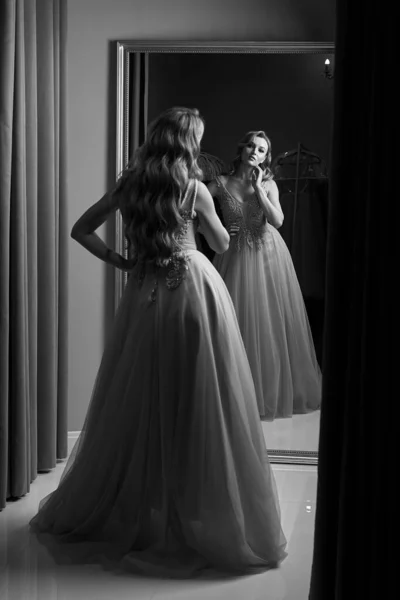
289	95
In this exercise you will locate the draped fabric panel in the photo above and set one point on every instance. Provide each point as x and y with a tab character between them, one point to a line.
33	242
354	546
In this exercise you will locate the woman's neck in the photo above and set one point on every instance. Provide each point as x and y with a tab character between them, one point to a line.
243	172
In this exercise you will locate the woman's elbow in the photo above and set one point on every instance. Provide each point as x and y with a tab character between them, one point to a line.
222	245
74	233
279	222
225	242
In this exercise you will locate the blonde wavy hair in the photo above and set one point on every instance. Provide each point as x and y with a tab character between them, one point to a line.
266	164
150	189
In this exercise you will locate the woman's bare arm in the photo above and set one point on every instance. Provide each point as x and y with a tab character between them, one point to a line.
84	232
268	197
211	227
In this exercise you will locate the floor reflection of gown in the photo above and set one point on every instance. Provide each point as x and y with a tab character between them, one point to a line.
259	274
170	473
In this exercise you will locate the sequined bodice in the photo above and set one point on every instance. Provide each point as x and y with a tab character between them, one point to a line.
248	216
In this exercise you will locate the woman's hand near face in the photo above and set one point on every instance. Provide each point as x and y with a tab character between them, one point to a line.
257	178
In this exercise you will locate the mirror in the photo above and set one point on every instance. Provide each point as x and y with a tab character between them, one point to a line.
285	89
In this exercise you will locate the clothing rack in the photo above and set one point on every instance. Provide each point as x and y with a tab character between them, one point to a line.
298	153
296	191
300	178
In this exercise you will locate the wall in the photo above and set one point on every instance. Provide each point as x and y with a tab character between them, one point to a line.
92	26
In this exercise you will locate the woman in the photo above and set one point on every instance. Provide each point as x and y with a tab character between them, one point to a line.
259	274
170	474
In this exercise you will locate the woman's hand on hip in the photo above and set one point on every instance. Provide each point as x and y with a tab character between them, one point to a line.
233	230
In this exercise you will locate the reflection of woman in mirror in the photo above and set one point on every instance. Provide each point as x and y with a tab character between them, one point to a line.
259	274
170	472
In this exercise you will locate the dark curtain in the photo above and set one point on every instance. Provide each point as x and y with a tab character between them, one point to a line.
33	242
358	450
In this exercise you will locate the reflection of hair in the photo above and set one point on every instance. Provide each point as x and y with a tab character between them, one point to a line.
151	187
266	164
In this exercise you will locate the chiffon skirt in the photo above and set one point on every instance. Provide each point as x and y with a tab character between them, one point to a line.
275	329
170	474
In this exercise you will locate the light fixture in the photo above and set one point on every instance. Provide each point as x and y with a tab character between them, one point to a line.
328	73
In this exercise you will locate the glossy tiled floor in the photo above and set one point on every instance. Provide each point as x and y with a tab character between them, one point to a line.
27	571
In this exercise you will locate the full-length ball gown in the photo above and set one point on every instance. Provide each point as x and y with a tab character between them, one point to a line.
170	474
258	271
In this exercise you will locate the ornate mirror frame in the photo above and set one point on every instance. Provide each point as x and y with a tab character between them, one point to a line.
125	49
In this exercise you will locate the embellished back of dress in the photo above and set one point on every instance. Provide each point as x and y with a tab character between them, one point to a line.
186	235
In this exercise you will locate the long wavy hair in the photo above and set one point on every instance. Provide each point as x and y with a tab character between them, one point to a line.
266	164
151	187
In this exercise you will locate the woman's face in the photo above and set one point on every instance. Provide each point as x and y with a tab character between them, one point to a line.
254	152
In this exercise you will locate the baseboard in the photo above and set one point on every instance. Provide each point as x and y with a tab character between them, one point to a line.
72	437
287	464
